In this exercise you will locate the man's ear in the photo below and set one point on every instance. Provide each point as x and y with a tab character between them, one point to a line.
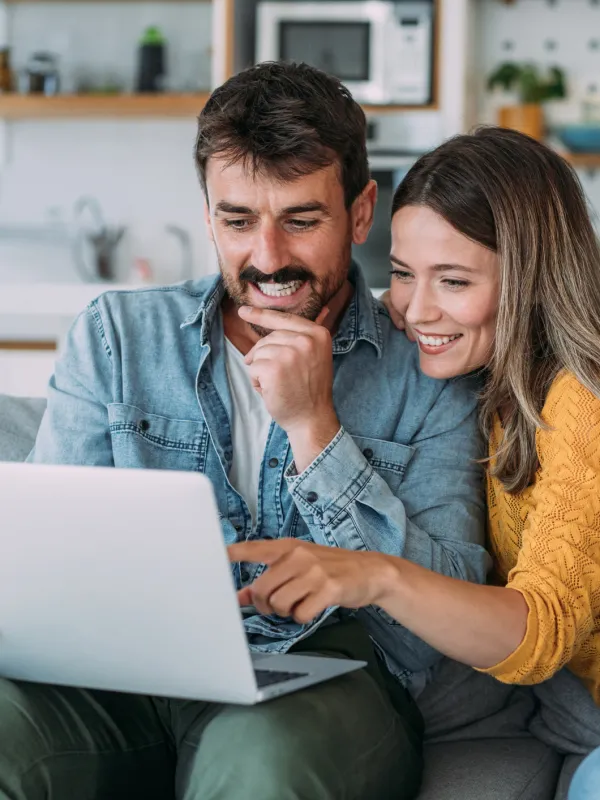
362	211
208	220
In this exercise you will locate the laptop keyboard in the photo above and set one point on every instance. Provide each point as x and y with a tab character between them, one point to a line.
267	677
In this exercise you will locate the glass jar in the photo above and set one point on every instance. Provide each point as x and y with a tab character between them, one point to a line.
6	76
41	75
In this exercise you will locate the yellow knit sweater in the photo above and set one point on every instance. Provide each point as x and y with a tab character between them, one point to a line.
545	542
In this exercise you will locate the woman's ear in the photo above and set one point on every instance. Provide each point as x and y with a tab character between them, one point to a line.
362	211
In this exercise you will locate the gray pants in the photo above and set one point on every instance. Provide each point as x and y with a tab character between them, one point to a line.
461	704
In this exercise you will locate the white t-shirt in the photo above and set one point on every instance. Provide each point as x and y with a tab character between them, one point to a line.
251	423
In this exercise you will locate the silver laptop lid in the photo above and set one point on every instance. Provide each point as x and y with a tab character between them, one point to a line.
118	579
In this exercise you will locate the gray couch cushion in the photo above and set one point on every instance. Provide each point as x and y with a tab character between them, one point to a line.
490	769
19	421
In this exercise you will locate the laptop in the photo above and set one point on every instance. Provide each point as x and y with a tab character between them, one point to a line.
118	579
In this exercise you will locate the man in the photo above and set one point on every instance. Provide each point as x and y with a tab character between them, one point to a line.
249	378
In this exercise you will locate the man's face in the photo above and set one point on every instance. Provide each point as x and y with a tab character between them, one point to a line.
284	246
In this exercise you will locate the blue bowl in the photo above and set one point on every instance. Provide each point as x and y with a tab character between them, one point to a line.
583	138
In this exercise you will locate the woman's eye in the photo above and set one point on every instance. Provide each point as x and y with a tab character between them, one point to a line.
455	283
401	274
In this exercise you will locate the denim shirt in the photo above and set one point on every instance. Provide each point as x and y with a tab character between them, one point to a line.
141	382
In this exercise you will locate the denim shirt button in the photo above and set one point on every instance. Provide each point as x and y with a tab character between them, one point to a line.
244	575
312	497
202	385
144	425
273	462
368	453
238	528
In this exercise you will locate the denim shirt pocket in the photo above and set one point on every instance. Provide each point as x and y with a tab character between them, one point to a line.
141	439
389	459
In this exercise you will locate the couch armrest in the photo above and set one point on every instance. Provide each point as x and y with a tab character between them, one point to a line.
19	422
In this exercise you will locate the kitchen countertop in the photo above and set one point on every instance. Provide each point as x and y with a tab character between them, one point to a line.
51	299
45	311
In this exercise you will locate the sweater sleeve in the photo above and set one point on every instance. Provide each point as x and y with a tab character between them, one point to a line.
558	566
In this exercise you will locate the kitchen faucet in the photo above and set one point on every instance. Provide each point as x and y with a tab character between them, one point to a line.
186	272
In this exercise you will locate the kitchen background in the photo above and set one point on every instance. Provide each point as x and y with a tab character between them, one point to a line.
98	101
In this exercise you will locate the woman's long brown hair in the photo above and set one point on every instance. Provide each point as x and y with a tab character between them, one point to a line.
523	201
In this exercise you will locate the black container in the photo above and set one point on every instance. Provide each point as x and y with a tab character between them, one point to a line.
152	62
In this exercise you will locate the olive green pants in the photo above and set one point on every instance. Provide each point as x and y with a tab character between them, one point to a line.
357	736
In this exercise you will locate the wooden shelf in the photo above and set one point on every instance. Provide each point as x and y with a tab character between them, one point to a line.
26	345
583	160
392	109
15	2
16	106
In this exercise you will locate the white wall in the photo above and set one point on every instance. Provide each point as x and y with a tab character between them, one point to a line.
141	171
25	374
99	40
566	34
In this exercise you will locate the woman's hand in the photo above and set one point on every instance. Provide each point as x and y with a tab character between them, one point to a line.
397	317
478	625
304	579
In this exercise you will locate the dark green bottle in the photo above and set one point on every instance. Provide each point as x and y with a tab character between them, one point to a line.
152	61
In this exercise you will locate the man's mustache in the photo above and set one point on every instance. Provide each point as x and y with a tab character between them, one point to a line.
283	275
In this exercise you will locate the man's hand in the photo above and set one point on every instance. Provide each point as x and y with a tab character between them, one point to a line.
396	316
304	579
292	368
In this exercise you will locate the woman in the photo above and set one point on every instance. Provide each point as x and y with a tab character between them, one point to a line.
496	268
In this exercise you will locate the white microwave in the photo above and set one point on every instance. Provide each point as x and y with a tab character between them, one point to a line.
381	50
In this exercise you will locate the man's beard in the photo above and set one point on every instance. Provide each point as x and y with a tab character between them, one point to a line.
321	290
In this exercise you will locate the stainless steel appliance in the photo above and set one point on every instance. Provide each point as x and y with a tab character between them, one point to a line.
380	49
389	164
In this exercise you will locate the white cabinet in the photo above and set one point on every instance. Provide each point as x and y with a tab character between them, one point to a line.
26	373
43	312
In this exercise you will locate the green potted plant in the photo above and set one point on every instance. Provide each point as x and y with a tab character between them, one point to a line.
532	87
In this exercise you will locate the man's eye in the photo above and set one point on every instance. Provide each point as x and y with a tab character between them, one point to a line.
401	274
237	224
303	224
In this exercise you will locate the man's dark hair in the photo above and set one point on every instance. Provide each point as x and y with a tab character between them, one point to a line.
285	120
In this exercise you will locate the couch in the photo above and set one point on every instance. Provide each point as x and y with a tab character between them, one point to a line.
492	769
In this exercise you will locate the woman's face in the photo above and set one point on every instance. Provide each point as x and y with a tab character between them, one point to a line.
447	288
